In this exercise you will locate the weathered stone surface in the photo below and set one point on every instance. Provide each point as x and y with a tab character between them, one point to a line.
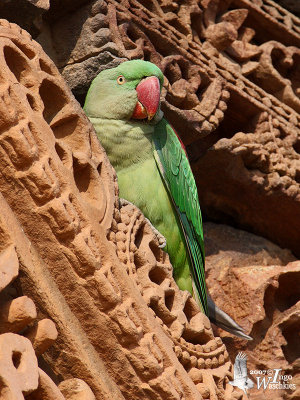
252	180
9	265
228	250
27	13
19	373
76	389
16	314
42	336
231	75
292	5
230	247
254	281
46	390
18	366
264	300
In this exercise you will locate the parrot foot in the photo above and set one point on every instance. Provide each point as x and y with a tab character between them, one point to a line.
161	239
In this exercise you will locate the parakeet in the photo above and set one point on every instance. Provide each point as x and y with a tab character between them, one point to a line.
153	170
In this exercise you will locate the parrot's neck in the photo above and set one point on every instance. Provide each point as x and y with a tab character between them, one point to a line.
126	142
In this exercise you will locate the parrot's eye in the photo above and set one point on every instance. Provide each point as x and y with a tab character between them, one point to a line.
121	80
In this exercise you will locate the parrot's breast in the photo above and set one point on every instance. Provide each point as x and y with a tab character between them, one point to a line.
130	150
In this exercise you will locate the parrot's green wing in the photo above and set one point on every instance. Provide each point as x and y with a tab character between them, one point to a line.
176	172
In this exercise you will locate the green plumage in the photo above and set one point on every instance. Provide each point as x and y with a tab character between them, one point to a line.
176	171
152	168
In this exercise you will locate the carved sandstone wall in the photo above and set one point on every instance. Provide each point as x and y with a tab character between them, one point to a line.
232	92
258	283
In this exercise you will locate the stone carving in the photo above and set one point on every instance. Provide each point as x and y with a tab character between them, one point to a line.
200	81
281	16
191	100
257	282
271	65
29	13
231	92
92	268
277	72
264	165
291	5
224	29
20	376
271	311
177	313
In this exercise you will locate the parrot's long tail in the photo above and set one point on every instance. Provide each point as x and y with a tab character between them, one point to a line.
222	320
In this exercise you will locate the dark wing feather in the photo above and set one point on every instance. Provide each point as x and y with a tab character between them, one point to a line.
178	177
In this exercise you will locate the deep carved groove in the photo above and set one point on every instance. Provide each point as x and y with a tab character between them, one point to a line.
48	91
17	64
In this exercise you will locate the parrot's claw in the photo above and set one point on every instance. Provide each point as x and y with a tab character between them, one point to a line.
161	246
161	239
162	242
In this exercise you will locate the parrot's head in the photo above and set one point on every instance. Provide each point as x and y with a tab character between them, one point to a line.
129	91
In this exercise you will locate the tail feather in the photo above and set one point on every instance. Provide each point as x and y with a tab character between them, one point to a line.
224	321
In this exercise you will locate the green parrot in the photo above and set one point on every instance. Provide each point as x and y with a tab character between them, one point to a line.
153	171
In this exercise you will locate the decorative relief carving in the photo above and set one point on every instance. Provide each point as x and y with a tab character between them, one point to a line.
230	75
277	72
23	338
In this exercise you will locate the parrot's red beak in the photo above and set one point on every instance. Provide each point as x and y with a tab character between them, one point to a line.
148	93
